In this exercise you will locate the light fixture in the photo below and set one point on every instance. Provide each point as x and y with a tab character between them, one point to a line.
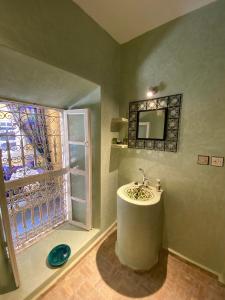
152	91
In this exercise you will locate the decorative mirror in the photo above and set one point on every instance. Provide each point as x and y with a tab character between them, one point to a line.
154	123
151	124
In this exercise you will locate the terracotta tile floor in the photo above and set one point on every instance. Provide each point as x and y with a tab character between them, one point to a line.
100	276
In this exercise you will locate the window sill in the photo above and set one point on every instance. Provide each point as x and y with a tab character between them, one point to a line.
34	273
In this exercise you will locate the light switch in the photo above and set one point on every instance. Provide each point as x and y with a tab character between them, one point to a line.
203	160
217	161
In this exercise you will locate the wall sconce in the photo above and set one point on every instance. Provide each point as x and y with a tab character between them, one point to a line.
152	91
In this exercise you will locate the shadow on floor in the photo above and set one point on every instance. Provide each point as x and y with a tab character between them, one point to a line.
124	280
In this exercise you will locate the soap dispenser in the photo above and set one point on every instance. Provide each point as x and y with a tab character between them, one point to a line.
158	185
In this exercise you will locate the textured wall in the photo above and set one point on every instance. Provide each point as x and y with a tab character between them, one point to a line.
26	78
188	55
60	33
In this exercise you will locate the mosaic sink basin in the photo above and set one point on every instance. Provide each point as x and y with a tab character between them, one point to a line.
139	194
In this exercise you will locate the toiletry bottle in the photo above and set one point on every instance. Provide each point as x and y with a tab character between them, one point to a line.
158	185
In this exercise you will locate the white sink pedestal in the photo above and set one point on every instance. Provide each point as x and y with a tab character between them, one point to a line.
139	230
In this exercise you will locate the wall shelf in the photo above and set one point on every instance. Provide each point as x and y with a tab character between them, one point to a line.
119	120
119	146
118	123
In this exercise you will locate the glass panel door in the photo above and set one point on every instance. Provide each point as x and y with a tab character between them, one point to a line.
78	161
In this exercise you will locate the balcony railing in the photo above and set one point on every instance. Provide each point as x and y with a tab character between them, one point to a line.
36	204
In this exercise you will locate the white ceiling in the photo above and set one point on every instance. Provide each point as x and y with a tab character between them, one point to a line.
127	19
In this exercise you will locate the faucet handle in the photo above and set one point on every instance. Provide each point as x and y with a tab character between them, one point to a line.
147	181
142	171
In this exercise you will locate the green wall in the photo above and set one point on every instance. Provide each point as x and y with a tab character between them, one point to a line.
188	56
26	78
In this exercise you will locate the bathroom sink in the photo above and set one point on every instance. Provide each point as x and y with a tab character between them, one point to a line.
139	194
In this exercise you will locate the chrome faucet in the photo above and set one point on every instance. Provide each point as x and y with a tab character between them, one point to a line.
145	180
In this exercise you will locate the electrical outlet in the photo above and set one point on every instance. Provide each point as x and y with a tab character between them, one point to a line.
203	160
217	161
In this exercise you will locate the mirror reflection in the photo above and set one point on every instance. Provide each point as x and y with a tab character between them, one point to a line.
151	124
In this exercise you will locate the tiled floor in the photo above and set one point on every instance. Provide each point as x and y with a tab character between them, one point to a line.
100	276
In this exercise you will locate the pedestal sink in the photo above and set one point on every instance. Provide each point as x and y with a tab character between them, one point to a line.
139	226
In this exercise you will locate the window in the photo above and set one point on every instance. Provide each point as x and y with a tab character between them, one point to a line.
31	144
46	161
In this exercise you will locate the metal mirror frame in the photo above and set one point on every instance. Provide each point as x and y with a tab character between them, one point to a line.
172	104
